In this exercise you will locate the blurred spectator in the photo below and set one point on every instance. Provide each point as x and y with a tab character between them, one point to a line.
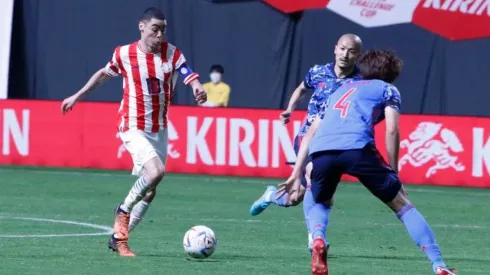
217	90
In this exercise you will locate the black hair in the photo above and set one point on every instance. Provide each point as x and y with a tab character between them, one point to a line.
217	68
151	13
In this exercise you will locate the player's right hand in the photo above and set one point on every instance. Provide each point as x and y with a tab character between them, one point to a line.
285	117
68	103
291	187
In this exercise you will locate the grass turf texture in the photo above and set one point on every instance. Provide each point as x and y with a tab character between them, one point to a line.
366	237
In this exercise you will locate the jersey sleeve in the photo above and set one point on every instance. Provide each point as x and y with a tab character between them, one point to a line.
184	69
113	68
392	97
313	76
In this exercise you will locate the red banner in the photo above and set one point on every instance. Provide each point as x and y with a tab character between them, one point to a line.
438	150
289	6
453	19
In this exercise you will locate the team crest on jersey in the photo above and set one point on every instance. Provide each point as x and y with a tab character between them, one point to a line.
166	67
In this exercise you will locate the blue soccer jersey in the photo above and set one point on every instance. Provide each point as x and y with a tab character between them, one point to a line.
352	112
324	81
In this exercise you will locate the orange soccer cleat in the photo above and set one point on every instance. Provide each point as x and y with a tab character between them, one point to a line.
121	230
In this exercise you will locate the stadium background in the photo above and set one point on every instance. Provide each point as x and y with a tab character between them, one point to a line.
266	53
56	45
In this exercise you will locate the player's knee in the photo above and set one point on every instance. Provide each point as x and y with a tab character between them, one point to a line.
398	202
150	195
154	171
155	175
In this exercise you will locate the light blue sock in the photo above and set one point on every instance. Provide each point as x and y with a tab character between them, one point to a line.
307	204
318	216
421	234
283	201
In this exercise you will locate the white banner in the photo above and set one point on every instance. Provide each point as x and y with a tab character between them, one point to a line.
375	13
6	16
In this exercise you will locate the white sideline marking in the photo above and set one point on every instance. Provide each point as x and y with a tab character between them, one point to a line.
106	230
410	188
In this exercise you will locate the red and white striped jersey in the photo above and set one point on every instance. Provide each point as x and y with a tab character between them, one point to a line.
148	81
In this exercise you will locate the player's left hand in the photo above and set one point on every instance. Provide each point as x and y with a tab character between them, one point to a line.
201	96
291	187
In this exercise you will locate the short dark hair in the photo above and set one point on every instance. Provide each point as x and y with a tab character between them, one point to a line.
380	64
217	68
151	13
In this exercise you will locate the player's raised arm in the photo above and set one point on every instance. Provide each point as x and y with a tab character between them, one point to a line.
190	78
392	118
110	70
312	78
298	93
94	81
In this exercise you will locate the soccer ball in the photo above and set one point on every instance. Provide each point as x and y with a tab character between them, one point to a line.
199	242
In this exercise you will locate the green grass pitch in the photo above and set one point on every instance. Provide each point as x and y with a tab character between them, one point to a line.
366	237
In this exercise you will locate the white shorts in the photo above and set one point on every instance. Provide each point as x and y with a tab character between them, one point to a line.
144	146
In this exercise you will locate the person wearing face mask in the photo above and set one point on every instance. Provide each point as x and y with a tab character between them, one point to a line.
218	92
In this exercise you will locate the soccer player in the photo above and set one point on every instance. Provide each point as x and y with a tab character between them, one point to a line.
149	68
343	143
324	79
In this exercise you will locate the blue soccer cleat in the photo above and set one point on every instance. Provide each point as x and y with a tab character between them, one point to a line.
261	204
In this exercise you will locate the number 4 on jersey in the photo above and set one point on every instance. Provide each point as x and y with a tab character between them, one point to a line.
343	104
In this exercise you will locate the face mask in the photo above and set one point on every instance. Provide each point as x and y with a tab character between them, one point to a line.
215	77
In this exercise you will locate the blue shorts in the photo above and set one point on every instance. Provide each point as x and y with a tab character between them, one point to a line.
366	164
296	145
